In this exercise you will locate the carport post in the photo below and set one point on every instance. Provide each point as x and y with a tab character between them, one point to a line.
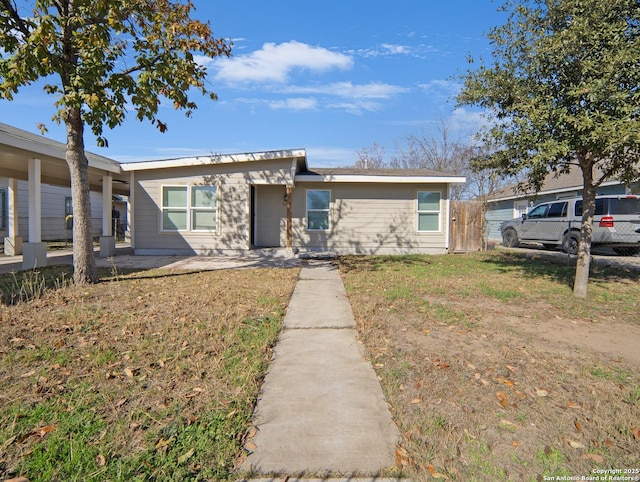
34	253
107	240
13	242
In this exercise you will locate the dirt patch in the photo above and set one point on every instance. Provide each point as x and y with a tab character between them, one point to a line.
494	372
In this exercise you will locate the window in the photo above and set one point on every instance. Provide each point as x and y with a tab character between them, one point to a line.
557	210
3	208
189	208
428	211
538	212
318	209
599	207
68	212
204	208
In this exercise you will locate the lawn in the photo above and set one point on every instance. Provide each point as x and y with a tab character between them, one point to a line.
494	371
144	376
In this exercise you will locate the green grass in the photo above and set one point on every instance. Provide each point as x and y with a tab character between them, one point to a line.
146	376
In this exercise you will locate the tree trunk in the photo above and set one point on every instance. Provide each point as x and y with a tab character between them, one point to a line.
84	265
586	230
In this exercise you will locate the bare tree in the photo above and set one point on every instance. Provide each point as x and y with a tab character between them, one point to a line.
371	157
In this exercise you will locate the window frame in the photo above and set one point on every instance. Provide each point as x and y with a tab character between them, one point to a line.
428	211
190	209
316	210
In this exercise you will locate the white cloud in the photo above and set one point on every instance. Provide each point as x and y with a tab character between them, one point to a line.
441	88
373	90
465	120
297	103
274	62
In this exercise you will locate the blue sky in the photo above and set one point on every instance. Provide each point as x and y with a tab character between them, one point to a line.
330	76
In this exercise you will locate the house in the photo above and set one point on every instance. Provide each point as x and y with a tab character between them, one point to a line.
56	210
35	181
232	204
225	204
510	202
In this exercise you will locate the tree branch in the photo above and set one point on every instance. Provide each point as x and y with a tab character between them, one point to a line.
22	25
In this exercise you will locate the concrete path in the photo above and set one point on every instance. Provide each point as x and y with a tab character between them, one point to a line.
321	411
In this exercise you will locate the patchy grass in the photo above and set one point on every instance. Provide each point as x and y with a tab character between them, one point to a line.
494	371
144	376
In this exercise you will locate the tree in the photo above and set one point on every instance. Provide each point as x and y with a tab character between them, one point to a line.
101	57
564	89
371	157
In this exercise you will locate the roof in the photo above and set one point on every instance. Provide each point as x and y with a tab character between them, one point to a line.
553	183
17	145
299	154
377	175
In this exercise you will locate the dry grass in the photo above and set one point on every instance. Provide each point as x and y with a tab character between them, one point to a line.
493	370
144	376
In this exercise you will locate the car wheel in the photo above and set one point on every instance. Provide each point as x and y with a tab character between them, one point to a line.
628	251
510	238
570	244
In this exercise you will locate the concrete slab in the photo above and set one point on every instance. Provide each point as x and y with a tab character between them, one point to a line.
321	409
319	303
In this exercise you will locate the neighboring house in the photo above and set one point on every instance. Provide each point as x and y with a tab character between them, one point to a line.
56	206
231	204
510	203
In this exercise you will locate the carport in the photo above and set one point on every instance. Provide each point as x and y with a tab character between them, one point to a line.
37	160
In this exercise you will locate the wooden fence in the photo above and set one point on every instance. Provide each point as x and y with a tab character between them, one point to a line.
466	226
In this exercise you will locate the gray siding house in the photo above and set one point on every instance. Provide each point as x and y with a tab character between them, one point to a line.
232	204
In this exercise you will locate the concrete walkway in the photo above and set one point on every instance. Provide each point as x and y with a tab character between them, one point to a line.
321	411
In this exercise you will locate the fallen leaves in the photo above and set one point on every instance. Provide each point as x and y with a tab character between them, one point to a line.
436	475
502	399
598	459
402	457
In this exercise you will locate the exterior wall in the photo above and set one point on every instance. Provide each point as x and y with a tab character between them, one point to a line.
233	234
500	211
370	219
53	222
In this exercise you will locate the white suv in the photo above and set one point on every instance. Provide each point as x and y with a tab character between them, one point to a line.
616	224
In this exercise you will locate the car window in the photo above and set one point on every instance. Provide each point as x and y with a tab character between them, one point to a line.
557	210
538	211
625	205
599	207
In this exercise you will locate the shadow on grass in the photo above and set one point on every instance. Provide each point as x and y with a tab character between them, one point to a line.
557	268
376	263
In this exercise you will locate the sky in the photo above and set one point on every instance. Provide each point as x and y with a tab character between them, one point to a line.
330	76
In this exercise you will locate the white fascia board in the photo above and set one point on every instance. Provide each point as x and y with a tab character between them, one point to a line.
213	159
379	179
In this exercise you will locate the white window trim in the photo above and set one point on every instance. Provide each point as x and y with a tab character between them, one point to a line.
424	211
190	209
307	210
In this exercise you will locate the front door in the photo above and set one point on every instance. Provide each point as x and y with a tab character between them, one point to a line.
270	216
